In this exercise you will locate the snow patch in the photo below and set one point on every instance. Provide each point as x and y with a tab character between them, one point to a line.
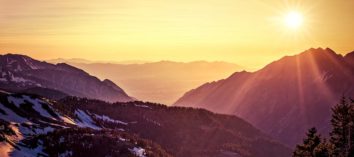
153	121
18	68
17	79
38	107
143	106
34	130
138	151
3	80
85	120
12	116
16	101
30	64
61	139
108	119
122	139
120	129
28	152
66	154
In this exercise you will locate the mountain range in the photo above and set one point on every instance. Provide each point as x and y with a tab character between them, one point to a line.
86	61
36	126
19	73
60	110
284	98
162	82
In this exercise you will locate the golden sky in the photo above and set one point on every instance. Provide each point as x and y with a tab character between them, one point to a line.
247	32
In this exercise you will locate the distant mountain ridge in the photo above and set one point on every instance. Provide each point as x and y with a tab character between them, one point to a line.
163	81
285	97
86	61
19	72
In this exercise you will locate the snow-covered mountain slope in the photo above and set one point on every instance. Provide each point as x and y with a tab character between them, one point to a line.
74	126
19	72
30	125
284	98
182	131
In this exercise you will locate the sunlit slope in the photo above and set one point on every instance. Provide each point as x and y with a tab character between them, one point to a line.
284	98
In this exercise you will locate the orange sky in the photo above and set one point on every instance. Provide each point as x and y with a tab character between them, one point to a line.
251	33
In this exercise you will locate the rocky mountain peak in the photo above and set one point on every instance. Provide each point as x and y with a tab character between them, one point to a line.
18	62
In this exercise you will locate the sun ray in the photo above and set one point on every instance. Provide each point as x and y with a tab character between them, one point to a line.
317	73
300	90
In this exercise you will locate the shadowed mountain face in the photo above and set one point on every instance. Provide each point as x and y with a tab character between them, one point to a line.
162	82
284	98
349	58
19	73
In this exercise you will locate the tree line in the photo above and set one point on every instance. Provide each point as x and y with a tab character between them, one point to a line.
341	138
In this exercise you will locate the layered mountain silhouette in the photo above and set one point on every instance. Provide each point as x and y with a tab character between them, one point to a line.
163	81
285	97
19	73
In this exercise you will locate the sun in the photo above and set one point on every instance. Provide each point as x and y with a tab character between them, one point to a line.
293	20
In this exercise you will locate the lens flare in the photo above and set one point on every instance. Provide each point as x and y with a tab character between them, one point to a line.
293	20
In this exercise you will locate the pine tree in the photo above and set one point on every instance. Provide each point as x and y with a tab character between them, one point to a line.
310	143
342	128
324	149
351	129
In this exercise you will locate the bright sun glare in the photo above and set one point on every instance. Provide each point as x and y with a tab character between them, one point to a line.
293	20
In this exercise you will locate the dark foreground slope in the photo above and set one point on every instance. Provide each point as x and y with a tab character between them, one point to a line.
79	127
184	131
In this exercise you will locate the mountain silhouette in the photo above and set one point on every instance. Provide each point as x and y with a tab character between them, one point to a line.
284	98
20	73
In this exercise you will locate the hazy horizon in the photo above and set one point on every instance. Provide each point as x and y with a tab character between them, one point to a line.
137	61
249	33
